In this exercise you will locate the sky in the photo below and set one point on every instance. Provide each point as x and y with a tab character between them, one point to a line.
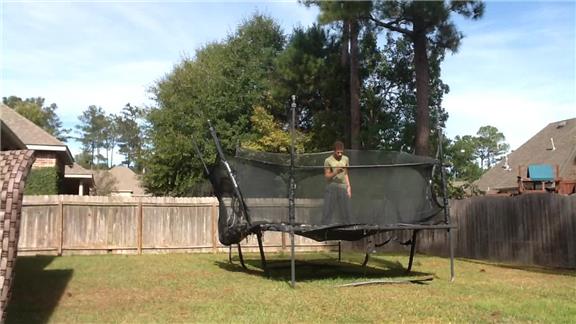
515	68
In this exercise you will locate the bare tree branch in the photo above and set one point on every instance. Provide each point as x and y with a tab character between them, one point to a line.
390	25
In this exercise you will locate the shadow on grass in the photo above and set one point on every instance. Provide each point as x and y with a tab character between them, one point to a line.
36	291
322	268
555	271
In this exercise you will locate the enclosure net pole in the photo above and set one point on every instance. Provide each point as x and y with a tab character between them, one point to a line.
229	171
446	204
292	184
200	156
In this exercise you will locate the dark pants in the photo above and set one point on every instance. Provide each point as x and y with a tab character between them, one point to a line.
337	208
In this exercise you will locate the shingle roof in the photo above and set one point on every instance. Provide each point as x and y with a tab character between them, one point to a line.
127	180
537	150
9	140
33	136
28	132
77	169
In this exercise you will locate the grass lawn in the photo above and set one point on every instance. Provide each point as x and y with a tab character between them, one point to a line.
206	288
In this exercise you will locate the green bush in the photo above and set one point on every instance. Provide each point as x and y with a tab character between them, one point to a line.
42	181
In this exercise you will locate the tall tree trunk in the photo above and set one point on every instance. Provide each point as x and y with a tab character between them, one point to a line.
422	91
354	87
345	63
92	157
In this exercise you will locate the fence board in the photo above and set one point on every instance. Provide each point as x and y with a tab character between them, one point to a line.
38	228
99	227
530	229
132	225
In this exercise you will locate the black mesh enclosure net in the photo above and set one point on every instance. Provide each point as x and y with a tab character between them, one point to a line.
389	190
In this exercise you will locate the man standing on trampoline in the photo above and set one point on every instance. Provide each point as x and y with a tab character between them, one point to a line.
337	209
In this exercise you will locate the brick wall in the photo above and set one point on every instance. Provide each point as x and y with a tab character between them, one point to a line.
45	159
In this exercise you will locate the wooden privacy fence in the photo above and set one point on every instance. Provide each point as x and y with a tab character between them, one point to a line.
88	224
529	229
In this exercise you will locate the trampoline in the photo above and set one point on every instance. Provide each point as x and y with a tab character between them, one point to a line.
286	192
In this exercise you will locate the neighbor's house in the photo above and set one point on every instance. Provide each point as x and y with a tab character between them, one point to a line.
78	180
18	133
127	182
555	145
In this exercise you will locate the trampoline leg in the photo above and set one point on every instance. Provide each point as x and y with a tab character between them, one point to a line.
230	253
262	256
339	251
451	243
292	259
412	250
366	258
369	249
241	257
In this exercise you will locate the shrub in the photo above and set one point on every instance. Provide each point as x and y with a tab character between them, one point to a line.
42	181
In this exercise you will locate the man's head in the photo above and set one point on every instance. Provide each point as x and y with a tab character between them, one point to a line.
338	150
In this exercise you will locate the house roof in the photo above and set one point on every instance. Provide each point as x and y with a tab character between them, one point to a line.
31	135
9	140
555	144
77	170
127	180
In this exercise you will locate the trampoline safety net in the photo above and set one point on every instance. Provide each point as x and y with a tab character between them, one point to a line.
388	188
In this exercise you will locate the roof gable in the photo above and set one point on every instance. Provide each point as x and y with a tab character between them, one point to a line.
31	135
28	132
555	144
127	180
77	170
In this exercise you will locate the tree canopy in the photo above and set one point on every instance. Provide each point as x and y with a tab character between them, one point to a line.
130	135
471	156
490	145
428	26
368	73
269	136
222	83
243	85
349	14
92	134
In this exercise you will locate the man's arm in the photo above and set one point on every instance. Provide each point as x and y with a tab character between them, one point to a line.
329	174
348	186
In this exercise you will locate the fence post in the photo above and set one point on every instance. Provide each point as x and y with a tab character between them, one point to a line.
60	224
139	226
214	217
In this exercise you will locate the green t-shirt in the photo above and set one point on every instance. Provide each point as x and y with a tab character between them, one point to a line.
332	163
